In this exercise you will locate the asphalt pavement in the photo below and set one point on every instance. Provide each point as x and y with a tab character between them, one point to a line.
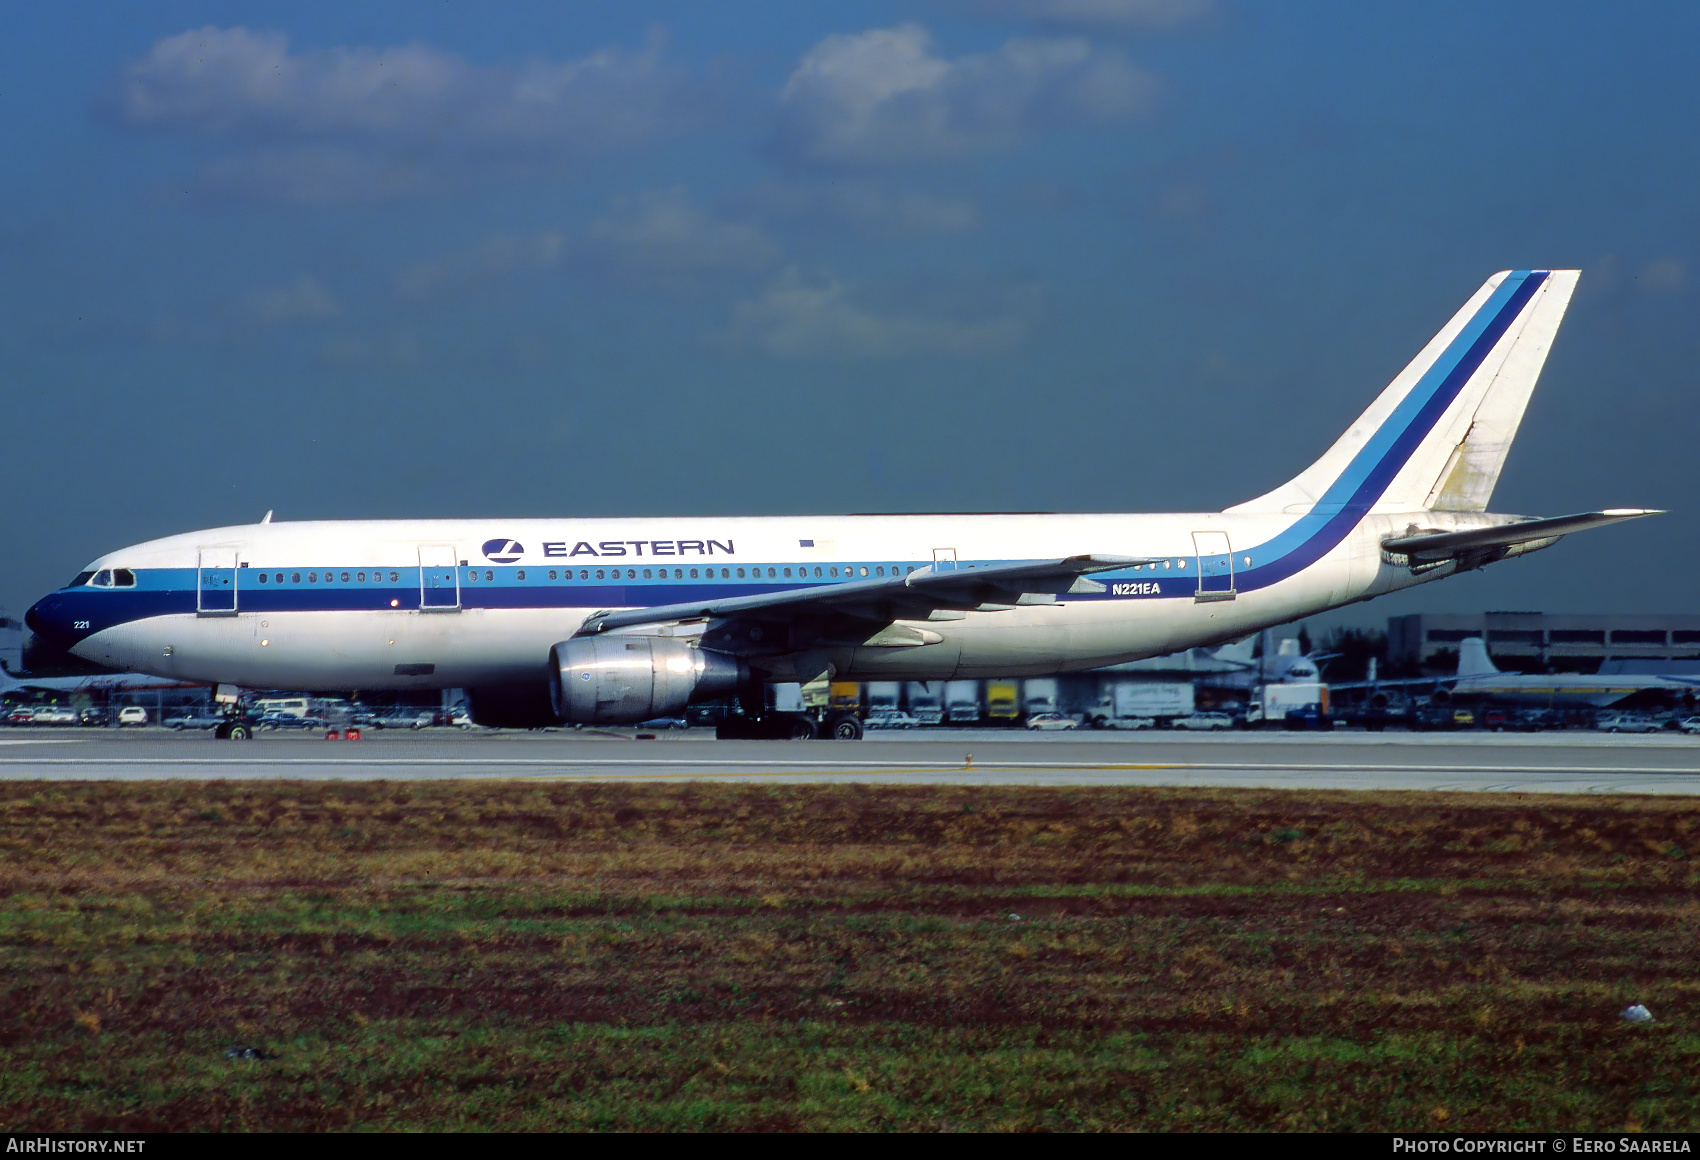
1571	762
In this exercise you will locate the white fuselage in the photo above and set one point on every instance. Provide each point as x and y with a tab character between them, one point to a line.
343	606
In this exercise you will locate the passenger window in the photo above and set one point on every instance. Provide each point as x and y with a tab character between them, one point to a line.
599	574
520	575
693	573
473	575
123	578
740	573
488	576
817	571
678	573
345	577
832	572
584	573
312	577
726	573
864	569
911	568
360	577
393	577
787	573
880	571
551	573
646	573
263	577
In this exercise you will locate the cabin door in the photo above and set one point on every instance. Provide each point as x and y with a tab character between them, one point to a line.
1215	566
944	559
215	582
439	579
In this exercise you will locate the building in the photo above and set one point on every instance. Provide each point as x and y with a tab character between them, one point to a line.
1539	641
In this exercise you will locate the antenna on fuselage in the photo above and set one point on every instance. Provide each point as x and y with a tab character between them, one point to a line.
268	518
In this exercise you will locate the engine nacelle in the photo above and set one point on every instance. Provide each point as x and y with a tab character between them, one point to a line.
621	680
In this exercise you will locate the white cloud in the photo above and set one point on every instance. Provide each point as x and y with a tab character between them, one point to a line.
303	300
1663	276
881	97
867	206
660	236
1099	14
494	257
795	318
336	123
656	238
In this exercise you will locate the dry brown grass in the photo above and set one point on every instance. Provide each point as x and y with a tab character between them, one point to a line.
549	954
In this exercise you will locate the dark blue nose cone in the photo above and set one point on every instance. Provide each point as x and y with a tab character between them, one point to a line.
48	618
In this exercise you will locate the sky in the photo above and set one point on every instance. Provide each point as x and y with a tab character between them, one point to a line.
513	259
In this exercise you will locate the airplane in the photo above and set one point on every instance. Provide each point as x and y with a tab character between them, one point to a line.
616	621
110	682
1480	679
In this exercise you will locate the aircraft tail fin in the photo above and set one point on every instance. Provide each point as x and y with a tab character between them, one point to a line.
1437	436
1473	659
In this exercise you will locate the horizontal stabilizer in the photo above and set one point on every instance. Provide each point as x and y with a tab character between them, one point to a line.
1504	535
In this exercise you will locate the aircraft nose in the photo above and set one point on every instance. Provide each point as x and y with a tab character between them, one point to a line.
47	619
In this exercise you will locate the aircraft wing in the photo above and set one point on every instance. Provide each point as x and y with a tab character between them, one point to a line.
1442	544
968	588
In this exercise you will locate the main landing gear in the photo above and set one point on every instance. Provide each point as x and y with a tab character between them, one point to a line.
790	727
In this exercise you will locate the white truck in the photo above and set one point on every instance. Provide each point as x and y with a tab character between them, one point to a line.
924	703
962	702
1040	695
882	697
1141	704
1271	703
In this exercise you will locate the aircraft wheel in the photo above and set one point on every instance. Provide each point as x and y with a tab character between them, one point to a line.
845	728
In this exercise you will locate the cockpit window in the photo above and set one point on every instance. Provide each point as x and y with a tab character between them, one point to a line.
82	578
102	578
123	578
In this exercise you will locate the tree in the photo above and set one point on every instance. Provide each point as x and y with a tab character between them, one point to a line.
1355	647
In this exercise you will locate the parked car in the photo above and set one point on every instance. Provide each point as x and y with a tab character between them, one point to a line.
405	719
1625	723
890	719
194	719
22	715
1204	721
291	721
1690	725
94	716
132	715
54	715
1051	721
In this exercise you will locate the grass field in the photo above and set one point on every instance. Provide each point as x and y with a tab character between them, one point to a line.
535	955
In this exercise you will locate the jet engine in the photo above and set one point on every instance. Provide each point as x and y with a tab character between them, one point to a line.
621	680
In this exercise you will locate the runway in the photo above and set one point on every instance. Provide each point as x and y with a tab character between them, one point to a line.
1483	763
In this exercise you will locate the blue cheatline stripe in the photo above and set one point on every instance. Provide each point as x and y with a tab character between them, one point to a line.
1360	486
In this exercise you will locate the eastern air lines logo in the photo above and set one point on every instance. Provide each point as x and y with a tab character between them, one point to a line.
503	551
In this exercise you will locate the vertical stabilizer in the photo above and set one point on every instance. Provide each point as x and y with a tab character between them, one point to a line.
1437	437
1473	659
